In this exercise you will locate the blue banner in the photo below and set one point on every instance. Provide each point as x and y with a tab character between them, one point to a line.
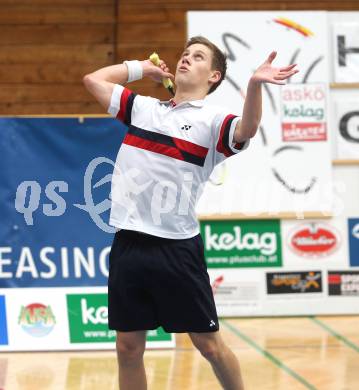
56	180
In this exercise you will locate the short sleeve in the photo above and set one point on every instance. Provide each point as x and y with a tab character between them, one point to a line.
128	107
121	104
224	127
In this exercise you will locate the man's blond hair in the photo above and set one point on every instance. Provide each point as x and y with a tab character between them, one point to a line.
219	60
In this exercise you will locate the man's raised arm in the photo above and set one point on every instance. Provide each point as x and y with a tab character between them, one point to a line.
101	82
252	110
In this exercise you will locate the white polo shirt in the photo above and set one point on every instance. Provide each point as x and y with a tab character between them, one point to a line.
164	161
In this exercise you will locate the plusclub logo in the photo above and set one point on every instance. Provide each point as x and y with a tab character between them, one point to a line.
313	240
37	319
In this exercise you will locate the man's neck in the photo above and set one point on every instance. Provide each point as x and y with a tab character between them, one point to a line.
184	96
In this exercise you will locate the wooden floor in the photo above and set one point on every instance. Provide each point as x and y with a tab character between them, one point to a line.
275	354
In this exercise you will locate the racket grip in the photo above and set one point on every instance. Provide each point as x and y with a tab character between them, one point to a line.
167	83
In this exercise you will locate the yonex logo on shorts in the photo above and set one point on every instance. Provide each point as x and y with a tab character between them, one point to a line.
212	323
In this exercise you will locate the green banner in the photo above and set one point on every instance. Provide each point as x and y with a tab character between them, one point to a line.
247	243
88	320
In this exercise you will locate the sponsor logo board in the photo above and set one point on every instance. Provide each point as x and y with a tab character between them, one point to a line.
344	283
294	282
88	318
236	291
353	227
346	124
345	44
232	244
37	319
304	112
313	240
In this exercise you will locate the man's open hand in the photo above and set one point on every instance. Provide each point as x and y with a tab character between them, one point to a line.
267	73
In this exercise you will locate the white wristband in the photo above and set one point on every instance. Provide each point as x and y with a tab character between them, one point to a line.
135	70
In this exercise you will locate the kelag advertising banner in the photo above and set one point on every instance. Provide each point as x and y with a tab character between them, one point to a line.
54	218
248	243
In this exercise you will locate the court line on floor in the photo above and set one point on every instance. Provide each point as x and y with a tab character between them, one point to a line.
268	355
306	346
334	333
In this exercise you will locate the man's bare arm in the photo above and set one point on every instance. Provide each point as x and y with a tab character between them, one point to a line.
252	110
101	82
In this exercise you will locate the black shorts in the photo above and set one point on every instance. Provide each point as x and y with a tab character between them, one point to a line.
156	282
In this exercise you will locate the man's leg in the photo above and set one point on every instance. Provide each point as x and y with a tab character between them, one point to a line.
224	363
130	349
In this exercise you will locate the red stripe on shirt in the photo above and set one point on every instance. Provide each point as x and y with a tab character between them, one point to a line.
197	150
153	146
221	148
123	104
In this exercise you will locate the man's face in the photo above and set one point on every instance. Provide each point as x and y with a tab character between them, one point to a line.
194	69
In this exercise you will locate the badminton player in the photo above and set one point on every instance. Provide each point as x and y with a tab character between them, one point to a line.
158	274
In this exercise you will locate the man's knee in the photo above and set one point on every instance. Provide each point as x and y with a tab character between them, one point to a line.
209	346
130	348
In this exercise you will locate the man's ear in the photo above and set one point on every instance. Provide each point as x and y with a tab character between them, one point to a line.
215	77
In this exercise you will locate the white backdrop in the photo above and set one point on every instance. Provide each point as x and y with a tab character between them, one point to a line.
345	100
244	183
275	179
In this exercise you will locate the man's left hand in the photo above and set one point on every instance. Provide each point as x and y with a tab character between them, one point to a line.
266	73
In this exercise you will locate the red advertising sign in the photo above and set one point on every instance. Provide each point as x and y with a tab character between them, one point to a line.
304	112
313	240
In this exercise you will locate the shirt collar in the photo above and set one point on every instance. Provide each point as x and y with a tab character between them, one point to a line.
194	103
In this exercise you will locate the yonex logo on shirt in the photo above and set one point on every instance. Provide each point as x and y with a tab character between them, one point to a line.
186	127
